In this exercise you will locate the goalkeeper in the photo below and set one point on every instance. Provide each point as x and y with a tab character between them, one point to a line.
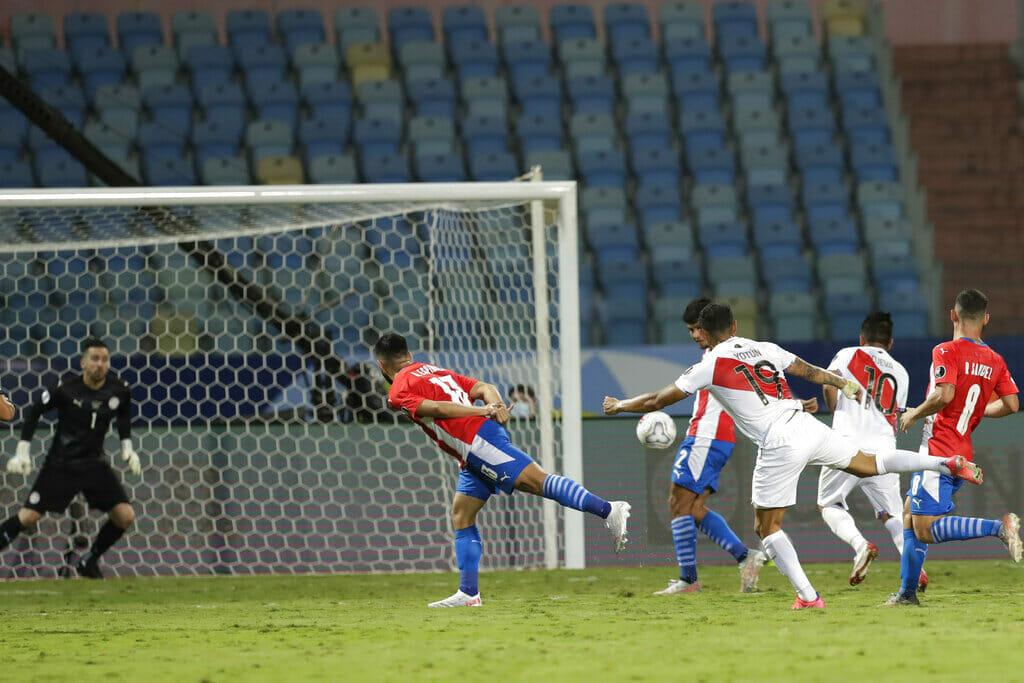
86	405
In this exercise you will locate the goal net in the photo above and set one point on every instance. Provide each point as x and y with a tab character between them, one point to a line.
244	320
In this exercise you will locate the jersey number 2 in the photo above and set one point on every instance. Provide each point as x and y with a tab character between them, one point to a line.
456	393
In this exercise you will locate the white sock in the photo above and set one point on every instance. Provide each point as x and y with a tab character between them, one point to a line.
895	528
783	554
842	525
908	461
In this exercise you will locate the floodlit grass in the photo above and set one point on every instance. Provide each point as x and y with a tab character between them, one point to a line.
591	625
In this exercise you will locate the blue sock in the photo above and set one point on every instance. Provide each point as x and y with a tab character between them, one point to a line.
572	495
717	529
914	552
964	528
684	536
467	552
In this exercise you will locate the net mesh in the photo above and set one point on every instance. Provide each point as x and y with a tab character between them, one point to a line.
256	459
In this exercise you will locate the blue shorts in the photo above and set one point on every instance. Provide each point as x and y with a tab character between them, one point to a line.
931	493
699	461
493	463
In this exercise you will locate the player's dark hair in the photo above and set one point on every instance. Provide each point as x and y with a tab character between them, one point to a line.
877	328
971	303
693	309
391	346
92	342
716	318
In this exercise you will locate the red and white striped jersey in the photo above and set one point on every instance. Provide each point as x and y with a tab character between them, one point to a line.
747	378
977	372
418	382
709	420
870	422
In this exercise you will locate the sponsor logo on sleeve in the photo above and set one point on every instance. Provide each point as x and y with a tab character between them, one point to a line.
940	372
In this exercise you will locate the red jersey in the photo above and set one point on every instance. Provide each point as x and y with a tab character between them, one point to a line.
418	382
976	371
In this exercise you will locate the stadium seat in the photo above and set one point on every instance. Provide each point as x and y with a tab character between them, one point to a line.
284	170
138	29
696	90
602	168
871	161
224	102
339	168
733	276
440	167
487	95
117	105
46	67
527	58
539	95
537	131
656	167
215	139
407	24
786	274
825	200
712	165
368	62
851	53
319	137
209	65
805	90
592	94
316	62
225	171
582	57
32	30
328	100
15	174
820	163
386	167
571	21
157	141
880	200
299	27
247	27
658	204
485	134
788	17
432	134
834	235
811	125
702	129
98	66
462	23
355	25
268	139
169	171
262	62
475	59
723	239
732	19
377	135
592	131
275	100
646	92
556	164
635	55
433	97
155	65
742	53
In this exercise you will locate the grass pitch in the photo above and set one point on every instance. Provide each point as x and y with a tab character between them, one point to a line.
591	625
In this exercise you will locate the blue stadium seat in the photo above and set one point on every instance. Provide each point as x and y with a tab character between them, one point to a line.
834	235
770	204
275	101
539	94
859	89
626	20
262	62
646	93
433	97
805	90
71	102
157	141
517	22
825	200
300	26
169	172
225	171
852	53
382	99
328	100
170	105
385	168
635	55
696	90
155	65
485	134
15	174
247	27
822	163
46	67
656	167
100	66
733	275
406	24
788	17
209	64
798	53
681	19
463	23
432	134
602	168
657	204
268	139
475	59
582	57
320	137
811	125
487	95
423	59
138	29
440	168
570	21
702	129
896	273
556	164
711	165
333	169
376	136
687	55
215	139
527	59
742	53
355	25
224	102
880	200
648	130
874	162
723	240
866	126
732	19
592	94
193	27
786	273
592	131
538	131
493	166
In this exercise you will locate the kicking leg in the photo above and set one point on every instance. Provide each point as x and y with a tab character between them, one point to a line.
768	523
573	495
896	460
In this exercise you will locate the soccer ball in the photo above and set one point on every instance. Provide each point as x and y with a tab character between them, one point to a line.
656	430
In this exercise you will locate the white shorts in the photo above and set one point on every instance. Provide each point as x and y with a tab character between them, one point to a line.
789	448
883	491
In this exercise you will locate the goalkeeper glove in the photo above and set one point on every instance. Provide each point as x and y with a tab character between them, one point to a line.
129	455
851	389
20	463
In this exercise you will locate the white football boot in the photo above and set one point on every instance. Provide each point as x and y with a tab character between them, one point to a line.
616	523
460	599
750	569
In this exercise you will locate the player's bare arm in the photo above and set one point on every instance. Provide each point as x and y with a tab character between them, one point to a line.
644	403
488	393
831	395
812	373
940	397
1001	406
449	409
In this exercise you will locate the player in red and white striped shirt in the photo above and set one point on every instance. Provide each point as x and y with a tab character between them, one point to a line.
748	379
475	436
706	449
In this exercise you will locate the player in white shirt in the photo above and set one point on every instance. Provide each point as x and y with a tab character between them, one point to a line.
871	424
747	378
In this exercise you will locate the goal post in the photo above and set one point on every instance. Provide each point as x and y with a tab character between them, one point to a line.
260	460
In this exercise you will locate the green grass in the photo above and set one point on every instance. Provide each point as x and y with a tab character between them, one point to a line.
596	625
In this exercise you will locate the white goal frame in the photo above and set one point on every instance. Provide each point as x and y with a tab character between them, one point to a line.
562	193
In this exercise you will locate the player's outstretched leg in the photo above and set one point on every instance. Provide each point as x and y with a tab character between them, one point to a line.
1006	529
898	460
572	494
